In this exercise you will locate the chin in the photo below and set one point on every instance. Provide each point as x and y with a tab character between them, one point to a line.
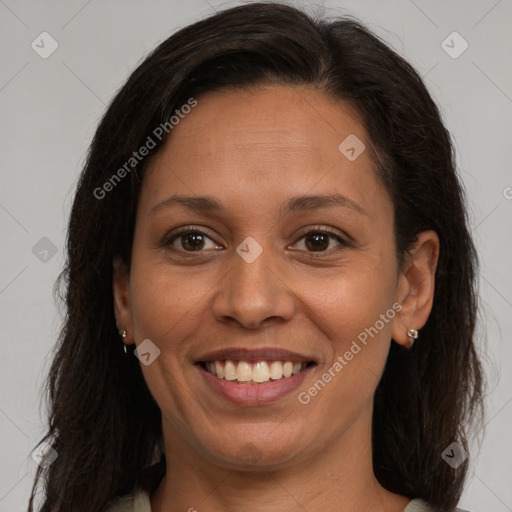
251	455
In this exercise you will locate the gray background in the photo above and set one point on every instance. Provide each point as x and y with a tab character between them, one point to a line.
50	108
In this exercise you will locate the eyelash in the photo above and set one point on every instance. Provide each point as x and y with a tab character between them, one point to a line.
169	240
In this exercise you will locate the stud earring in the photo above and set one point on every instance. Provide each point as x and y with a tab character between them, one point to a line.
413	335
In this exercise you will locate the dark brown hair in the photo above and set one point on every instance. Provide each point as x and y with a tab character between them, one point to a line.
103	421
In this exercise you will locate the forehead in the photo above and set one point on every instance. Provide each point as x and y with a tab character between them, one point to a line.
268	118
261	143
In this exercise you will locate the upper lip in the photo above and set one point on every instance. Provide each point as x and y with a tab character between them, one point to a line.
251	354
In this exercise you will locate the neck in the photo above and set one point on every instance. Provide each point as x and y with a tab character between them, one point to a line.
337	477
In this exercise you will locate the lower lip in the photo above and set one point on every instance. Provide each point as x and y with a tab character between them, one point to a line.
254	394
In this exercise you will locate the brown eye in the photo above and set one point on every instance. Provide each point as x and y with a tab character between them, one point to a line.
317	241
191	240
320	240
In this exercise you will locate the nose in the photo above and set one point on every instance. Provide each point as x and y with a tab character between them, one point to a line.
252	294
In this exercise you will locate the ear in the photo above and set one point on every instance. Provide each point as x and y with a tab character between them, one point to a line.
122	303
416	284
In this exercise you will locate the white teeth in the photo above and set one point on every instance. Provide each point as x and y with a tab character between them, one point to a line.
287	369
243	372
276	370
229	370
260	372
256	372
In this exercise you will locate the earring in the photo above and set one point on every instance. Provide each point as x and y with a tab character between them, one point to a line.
123	335
413	335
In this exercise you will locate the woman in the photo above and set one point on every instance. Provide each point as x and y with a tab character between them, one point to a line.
270	283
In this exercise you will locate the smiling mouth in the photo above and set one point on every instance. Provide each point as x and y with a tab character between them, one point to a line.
254	372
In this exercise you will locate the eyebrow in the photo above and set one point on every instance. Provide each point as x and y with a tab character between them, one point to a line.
208	204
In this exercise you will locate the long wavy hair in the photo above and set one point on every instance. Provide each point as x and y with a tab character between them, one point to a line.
103	422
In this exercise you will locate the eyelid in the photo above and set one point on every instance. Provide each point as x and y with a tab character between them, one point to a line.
183	230
318	228
342	238
188	228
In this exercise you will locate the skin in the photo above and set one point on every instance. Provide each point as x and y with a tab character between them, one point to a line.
252	150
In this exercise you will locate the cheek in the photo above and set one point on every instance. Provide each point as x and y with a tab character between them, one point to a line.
167	307
357	315
352	301
355	311
165	300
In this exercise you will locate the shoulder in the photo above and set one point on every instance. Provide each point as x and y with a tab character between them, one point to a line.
419	505
139	499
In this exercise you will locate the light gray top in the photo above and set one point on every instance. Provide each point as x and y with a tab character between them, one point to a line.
139	501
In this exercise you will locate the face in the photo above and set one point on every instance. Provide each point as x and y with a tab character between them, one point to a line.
266	280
